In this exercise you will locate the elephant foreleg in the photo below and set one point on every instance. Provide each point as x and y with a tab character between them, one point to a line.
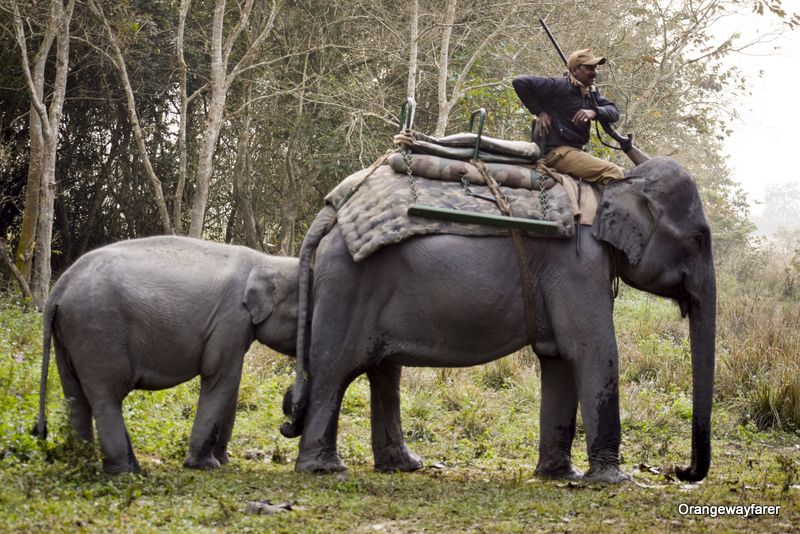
558	411
224	436
213	423
388	445
598	390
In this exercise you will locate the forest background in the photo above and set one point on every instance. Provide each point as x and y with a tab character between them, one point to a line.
232	120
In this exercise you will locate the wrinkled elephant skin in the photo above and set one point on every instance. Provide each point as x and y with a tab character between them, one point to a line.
156	312
447	301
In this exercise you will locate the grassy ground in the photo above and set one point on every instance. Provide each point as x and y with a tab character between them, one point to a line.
477	430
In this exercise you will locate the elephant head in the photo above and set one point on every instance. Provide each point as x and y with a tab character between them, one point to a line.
655	220
271	298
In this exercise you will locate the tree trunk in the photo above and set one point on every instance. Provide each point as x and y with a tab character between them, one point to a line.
64	224
119	62
91	218
230	225
27	238
177	203
220	83
289	202
241	175
6	260
59	23
216	108
445	105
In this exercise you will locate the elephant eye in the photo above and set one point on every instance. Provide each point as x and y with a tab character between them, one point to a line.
700	239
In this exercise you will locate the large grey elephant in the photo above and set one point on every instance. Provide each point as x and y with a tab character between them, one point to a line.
448	300
153	313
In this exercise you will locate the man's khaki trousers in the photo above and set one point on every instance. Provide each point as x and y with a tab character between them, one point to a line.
580	164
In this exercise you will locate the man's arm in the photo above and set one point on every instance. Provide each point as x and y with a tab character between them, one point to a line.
531	90
606	110
534	91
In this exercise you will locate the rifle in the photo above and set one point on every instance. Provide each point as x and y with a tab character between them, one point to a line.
625	143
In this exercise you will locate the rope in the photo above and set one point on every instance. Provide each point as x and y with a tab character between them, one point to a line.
528	298
372	168
491	183
404	139
401	141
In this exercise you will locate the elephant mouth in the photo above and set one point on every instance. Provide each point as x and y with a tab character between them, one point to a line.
686	298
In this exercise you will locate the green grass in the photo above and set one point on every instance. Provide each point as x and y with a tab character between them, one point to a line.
476	429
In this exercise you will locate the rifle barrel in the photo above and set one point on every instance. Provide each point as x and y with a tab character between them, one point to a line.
553	40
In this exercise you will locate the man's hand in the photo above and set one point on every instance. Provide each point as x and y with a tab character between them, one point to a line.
583	115
543	123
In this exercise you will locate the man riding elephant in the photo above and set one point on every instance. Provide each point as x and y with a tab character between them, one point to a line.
565	106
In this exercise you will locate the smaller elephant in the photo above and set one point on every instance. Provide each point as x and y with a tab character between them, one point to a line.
153	313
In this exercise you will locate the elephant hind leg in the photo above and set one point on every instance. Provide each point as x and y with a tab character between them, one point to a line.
557	417
115	443
80	410
318	450
388	444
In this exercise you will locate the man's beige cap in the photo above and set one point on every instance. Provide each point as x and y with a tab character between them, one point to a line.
584	57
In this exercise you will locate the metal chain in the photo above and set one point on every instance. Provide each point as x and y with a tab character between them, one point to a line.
411	180
543	201
465	183
470	192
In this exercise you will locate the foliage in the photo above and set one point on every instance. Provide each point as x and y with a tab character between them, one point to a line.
325	93
476	428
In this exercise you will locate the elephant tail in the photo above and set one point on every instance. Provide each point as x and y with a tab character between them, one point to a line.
40	428
295	400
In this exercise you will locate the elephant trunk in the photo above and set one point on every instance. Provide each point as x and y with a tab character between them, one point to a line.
702	331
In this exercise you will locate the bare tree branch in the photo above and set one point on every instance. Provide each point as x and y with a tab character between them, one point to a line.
119	62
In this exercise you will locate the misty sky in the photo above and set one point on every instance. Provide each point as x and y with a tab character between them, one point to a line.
766	143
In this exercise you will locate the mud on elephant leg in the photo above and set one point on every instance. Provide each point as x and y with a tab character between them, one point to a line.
223	438
388	445
558	411
597	380
318	451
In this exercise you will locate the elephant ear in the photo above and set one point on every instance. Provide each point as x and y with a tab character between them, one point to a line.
625	217
259	293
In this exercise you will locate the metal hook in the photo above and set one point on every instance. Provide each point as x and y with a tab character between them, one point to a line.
408	109
482	113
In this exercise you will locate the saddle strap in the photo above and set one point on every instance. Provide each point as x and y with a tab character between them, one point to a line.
528	297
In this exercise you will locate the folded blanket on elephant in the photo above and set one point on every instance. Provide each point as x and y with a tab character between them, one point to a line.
582	196
372	214
462	147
